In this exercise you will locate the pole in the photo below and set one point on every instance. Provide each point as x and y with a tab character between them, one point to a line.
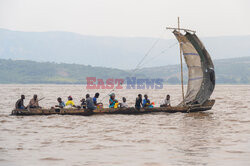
182	87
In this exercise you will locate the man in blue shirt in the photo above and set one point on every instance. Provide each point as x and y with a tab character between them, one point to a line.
146	102
95	98
19	103
61	104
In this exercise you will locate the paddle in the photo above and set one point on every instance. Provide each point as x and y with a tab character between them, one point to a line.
41	98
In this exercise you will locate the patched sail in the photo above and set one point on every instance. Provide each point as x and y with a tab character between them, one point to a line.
201	76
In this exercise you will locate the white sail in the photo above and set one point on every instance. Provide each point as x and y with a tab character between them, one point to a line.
200	69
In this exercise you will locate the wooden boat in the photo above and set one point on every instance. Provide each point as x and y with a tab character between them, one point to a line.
201	83
85	112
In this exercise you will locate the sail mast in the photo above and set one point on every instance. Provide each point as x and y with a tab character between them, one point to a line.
182	87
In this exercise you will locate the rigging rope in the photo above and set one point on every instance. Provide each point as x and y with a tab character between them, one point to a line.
151	48
141	61
159	54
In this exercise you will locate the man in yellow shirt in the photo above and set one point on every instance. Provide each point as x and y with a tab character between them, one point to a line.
70	102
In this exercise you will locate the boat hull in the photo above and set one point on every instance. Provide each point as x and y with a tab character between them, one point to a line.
85	112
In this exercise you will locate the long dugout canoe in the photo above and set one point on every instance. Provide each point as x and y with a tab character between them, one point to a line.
85	112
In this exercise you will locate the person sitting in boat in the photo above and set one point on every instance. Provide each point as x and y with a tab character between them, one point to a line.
34	102
113	103
83	103
146	102
138	102
166	102
95	99
61	104
90	103
70	102
123	104
19	103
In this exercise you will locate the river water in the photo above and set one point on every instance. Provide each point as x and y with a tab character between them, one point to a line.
220	136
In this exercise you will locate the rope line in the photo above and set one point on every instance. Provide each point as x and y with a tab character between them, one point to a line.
141	61
159	54
144	57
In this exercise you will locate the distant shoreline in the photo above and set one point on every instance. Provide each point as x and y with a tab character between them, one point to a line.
233	71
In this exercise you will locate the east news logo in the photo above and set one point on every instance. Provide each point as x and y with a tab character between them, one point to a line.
128	83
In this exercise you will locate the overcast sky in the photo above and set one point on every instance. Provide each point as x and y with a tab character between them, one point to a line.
127	17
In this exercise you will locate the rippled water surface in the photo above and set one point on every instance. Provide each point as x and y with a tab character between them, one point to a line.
220	136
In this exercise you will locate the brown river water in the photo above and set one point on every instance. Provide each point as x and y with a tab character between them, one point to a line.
220	136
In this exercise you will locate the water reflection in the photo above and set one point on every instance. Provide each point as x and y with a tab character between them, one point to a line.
195	132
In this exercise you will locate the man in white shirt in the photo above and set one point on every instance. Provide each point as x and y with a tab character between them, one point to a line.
123	104
166	102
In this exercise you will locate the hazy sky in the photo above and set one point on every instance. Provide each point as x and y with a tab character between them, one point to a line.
127	17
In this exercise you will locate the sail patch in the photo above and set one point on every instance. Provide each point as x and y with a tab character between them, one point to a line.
191	54
196	78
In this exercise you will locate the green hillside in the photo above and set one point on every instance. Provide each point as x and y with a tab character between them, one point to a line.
228	71
22	71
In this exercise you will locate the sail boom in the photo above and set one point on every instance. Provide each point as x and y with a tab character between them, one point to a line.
186	30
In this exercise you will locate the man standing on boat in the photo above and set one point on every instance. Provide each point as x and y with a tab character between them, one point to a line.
19	103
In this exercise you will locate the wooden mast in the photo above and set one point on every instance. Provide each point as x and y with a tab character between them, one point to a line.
182	87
